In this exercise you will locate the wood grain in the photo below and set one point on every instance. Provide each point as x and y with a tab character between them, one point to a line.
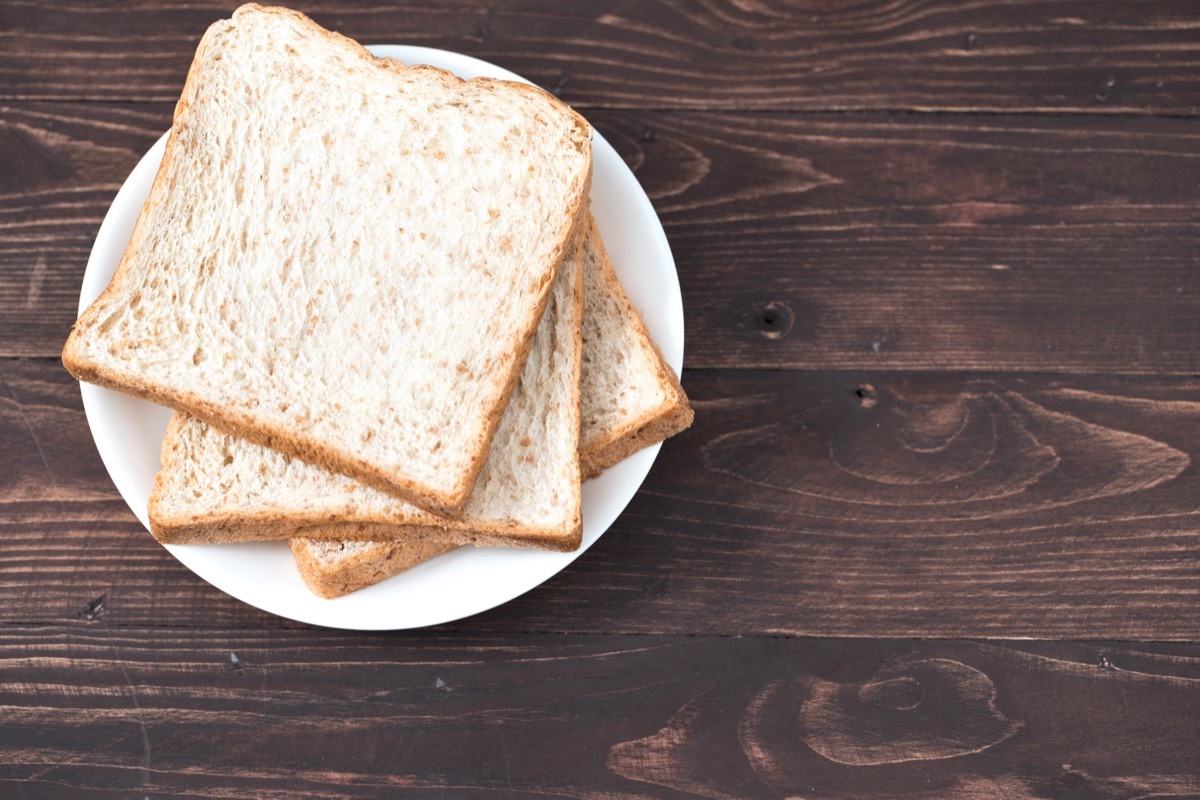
943	355
924	505
101	711
63	165
951	243
816	242
817	504
1069	55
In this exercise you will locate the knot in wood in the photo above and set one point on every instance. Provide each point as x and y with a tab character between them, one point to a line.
774	319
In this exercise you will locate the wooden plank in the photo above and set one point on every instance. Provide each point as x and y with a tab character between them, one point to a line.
816	504
102	712
822	242
63	165
952	243
924	505
1069	55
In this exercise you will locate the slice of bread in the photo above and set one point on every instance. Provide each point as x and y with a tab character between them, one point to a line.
631	399
214	487
342	258
334	569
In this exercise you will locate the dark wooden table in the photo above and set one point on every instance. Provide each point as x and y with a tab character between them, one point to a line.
935	532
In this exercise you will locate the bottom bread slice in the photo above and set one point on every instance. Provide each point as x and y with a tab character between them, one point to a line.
631	399
335	569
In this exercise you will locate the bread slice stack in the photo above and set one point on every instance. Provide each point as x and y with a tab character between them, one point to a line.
215	487
341	258
361	286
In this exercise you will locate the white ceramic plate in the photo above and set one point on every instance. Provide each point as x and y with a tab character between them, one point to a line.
129	432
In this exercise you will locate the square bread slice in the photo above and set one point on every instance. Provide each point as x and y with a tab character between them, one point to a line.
342	258
631	399
214	487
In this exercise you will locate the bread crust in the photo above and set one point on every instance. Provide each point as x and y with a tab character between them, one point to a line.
241	423
349	573
480	536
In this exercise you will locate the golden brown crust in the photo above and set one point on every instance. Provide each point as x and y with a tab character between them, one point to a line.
481	536
254	525
670	421
245	425
576	403
349	573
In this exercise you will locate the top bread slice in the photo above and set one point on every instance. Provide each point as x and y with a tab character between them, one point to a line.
214	487
342	258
